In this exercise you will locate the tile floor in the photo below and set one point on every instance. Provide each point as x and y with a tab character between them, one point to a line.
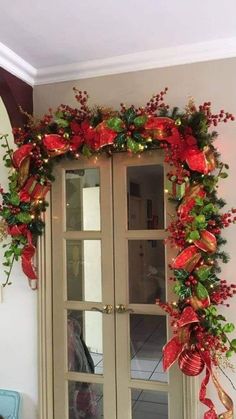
148	335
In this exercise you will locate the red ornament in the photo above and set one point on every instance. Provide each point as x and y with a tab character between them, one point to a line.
190	362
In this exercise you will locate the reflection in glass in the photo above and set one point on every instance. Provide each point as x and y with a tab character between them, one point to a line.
145	197
83	199
85	400
83	268
146	271
147	338
84	337
149	404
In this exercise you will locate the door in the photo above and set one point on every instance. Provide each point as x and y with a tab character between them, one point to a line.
110	264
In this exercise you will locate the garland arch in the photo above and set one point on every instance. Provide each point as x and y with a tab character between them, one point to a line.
200	334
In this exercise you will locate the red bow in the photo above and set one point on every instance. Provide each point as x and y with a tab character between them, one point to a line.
175	346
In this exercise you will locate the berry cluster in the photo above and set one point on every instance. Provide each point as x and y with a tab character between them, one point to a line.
223	292
215	119
157	102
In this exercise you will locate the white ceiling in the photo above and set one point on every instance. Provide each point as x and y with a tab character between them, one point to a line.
52	40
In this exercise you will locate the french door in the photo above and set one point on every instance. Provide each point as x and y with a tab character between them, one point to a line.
110	264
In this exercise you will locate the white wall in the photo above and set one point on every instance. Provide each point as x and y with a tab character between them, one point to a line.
18	321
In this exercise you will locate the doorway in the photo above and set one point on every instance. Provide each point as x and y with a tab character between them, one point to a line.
110	264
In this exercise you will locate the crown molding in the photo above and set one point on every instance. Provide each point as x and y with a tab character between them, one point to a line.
163	57
146	60
13	63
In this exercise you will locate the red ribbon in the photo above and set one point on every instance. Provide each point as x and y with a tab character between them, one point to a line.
55	143
175	346
162	128
20	154
27	255
224	398
28	251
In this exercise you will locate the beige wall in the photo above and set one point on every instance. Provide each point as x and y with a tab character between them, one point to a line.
210	81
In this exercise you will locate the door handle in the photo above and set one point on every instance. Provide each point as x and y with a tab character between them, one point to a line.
120	308
107	309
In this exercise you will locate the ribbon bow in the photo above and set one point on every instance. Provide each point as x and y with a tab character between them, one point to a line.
175	346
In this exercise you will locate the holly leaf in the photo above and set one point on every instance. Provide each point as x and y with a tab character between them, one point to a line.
133	145
203	272
14	199
181	274
139	121
115	123
233	344
177	288
209	208
228	328
121	139
62	123
229	354
130	116
201	291
138	137
194	235
86	151
199	201
24	217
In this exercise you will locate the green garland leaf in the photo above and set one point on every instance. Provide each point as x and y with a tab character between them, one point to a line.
201	291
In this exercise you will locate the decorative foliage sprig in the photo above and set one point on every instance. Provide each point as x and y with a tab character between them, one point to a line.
201	333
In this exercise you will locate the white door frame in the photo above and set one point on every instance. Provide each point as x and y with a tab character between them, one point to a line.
45	333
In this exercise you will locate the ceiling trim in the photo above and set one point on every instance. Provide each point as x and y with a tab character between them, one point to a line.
163	57
13	63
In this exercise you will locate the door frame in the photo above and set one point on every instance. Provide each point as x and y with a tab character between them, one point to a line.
45	334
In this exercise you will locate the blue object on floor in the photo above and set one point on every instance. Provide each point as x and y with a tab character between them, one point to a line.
9	404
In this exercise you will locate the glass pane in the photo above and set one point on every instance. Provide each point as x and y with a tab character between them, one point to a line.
146	271
84	337
149	404
147	338
83	268
145	197
85	400
83	199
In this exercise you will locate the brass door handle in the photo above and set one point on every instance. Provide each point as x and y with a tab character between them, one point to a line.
120	308
107	309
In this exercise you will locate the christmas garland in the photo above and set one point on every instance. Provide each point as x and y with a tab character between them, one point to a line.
200	332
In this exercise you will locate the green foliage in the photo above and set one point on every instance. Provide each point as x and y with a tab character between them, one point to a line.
129	116
115	123
139	121
201	291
